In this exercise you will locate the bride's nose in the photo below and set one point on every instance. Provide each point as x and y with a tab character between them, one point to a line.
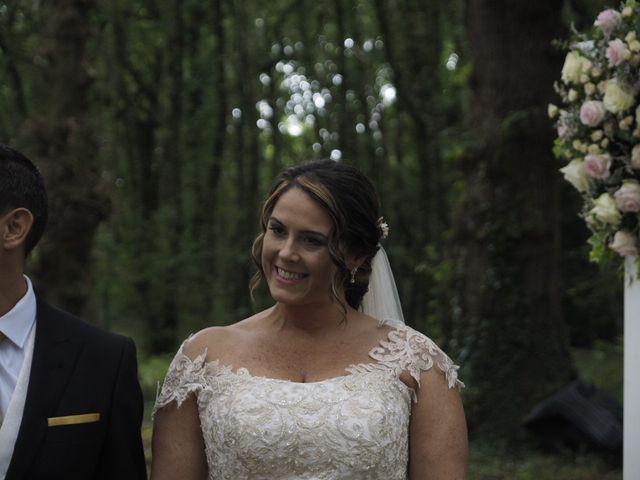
288	250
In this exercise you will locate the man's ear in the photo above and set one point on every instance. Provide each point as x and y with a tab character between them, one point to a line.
15	225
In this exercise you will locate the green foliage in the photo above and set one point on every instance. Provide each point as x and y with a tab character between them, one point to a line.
489	462
151	372
602	365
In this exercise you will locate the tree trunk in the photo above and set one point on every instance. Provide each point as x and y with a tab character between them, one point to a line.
507	228
63	140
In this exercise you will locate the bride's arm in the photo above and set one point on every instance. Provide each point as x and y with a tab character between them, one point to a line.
178	449
177	444
438	444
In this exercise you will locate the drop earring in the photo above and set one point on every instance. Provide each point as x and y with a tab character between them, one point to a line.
352	280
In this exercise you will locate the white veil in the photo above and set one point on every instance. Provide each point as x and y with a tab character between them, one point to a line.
381	300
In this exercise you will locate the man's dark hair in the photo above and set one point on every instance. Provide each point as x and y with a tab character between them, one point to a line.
22	186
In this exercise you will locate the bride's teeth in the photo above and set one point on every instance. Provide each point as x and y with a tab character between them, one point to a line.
288	275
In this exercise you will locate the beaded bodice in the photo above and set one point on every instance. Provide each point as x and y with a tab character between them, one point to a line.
349	427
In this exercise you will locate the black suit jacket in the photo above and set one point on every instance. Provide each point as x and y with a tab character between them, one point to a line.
79	369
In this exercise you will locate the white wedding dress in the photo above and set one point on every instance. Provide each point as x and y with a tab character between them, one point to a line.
349	427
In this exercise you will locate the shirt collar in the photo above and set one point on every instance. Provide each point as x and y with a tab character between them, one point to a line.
17	322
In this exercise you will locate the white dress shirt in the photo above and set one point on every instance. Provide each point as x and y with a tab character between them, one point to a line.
16	324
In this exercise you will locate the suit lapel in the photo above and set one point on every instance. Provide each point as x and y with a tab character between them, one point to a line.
55	354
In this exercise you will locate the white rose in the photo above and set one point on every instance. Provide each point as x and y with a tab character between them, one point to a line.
591	221
574	67
617	98
635	157
575	174
606	210
625	244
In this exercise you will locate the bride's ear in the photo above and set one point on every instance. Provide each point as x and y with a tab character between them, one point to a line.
355	262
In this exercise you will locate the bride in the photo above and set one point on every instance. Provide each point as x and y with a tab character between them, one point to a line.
325	384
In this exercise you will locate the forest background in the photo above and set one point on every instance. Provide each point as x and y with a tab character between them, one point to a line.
159	125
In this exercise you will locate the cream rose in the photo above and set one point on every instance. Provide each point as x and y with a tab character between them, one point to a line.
617	98
575	65
635	157
597	166
625	243
628	196
605	210
592	113
589	88
575	174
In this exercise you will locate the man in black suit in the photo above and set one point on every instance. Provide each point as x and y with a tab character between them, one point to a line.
70	401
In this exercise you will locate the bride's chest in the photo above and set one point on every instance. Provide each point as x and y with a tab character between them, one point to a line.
267	421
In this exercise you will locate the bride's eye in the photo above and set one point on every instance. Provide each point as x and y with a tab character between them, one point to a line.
276	228
314	241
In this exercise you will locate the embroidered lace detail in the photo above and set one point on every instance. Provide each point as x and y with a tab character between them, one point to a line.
410	350
350	427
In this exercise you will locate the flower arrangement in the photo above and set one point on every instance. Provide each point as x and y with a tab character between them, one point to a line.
598	125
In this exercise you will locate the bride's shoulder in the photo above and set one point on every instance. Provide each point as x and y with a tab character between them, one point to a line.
373	327
216	343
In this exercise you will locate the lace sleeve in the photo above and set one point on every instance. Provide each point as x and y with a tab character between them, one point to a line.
410	350
184	377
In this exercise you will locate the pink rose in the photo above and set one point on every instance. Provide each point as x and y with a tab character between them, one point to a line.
624	243
628	196
592	113
597	165
616	52
608	20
